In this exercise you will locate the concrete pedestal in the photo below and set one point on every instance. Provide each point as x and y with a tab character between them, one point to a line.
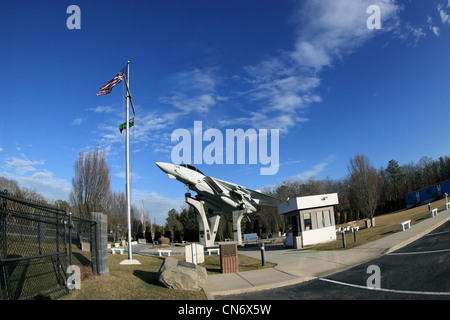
206	235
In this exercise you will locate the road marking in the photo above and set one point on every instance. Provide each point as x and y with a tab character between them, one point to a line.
436	233
387	290
417	252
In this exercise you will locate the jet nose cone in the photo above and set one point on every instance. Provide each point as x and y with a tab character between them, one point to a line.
168	168
164	166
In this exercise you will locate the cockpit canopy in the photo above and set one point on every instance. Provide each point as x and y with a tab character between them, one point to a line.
191	167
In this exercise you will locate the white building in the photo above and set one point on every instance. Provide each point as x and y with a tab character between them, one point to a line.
309	220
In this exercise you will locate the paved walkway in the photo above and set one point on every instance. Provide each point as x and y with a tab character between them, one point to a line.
295	266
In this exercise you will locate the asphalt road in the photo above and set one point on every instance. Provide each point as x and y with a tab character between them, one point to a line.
418	271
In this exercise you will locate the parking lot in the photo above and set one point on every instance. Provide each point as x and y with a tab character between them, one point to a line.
417	271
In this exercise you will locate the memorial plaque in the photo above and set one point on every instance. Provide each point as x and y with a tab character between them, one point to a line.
228	250
229	257
186	264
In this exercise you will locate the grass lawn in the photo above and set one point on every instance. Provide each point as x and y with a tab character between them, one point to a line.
138	282
385	225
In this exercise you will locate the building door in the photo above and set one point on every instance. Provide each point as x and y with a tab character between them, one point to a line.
294	223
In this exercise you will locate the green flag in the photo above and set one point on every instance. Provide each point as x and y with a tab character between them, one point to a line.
123	126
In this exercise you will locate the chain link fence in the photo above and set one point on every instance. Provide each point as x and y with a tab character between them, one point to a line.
35	248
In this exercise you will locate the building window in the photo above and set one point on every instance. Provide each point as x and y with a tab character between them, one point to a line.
323	219
327	218
307	220
320	222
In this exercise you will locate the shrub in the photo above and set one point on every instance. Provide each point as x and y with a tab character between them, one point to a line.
164	240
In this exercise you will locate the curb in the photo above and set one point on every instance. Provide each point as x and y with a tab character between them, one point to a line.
210	295
417	236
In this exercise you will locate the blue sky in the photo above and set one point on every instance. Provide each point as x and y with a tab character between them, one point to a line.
311	69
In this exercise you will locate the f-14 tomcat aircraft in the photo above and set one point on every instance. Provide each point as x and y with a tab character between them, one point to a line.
216	194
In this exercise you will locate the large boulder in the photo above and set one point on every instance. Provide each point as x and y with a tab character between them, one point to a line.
177	274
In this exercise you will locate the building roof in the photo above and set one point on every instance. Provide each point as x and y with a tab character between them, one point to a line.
308	202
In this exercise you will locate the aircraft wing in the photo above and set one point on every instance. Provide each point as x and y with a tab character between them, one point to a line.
261	196
213	184
254	194
229	185
265	205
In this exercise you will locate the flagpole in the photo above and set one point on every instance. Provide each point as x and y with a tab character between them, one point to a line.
128	164
106	89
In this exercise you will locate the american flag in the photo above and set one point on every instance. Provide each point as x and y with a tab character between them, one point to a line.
117	79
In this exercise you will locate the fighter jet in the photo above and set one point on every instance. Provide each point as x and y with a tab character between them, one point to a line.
216	194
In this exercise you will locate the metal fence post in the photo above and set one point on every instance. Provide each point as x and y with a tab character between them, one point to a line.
3	271
344	244
4	244
263	258
70	238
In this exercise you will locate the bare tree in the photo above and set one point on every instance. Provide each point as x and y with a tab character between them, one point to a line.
364	185
11	186
117	212
91	183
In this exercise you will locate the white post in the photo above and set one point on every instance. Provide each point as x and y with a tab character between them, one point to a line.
194	253
446	205
142	219
128	164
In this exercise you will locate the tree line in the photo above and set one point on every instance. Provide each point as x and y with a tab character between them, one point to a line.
363	193
91	192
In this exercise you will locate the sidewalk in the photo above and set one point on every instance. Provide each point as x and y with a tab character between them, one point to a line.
295	266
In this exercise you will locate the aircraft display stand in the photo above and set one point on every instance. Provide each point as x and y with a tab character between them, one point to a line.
206	237
237	218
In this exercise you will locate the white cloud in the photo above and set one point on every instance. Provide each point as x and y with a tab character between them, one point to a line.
193	91
284	85
436	31
28	174
1	149
445	17
330	29
103	109
45	183
311	55
22	165
108	133
316	169
416	32
282	91
77	122
134	176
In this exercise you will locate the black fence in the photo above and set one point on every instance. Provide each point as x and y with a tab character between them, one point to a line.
36	248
